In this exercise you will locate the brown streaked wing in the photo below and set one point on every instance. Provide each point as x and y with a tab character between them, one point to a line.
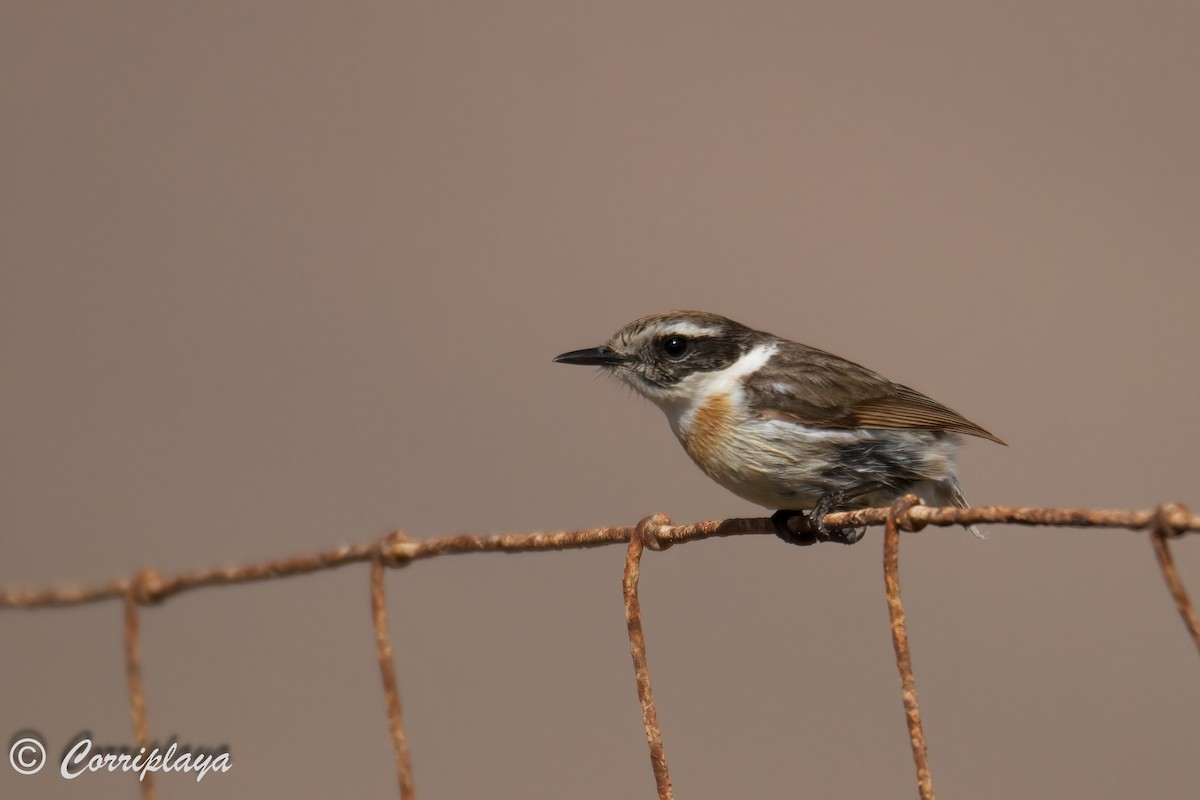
812	387
908	408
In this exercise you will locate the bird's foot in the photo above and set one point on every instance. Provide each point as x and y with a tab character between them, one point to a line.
803	536
816	521
811	528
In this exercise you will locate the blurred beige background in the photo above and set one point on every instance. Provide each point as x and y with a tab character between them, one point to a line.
275	277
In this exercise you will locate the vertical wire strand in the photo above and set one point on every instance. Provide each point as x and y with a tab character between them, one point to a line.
1158	537
637	649
908	684
387	670
133	677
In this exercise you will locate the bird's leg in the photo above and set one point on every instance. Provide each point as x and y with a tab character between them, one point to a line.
830	501
814	529
816	520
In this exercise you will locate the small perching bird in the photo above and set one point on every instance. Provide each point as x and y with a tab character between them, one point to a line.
785	425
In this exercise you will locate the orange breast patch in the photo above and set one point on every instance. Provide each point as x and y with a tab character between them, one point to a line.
708	431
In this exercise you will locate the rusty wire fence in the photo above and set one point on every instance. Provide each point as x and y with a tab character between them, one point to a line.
656	533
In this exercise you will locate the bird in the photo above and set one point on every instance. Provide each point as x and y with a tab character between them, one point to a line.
784	425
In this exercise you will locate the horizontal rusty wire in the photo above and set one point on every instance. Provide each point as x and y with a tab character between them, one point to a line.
655	532
151	587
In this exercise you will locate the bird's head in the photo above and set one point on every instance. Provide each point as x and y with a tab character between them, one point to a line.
664	356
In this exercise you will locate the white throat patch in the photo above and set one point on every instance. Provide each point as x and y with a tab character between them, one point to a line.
691	392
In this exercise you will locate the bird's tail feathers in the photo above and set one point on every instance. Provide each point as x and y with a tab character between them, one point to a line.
960	500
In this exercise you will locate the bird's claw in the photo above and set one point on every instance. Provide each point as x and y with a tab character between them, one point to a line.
812	529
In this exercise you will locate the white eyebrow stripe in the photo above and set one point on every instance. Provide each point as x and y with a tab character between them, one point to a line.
689	329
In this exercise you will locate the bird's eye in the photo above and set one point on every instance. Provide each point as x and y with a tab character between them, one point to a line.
675	346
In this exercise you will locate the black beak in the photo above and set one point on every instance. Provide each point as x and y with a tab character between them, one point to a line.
597	356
